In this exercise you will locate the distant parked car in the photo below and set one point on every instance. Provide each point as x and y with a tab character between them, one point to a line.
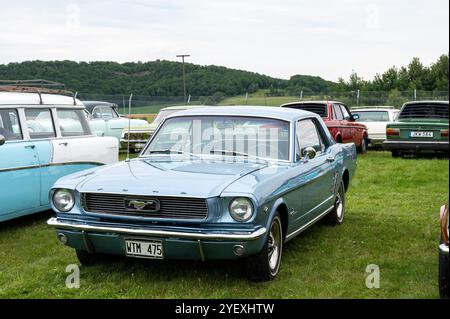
339	120
443	253
141	135
421	126
212	183
42	138
376	118
105	120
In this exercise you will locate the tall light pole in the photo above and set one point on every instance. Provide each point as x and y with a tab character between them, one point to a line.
182	56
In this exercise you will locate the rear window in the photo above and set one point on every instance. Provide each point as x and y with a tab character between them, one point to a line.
372	116
320	109
425	110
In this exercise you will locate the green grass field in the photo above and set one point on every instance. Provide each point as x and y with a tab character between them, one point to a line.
391	221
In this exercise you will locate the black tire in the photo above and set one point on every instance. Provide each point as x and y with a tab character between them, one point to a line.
443	275
362	148
265	266
87	259
336	216
396	153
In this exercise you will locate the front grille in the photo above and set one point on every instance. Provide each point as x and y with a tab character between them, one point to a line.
153	207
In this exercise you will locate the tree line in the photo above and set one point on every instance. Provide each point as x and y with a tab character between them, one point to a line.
164	78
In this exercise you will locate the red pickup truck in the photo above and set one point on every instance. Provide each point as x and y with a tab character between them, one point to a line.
340	121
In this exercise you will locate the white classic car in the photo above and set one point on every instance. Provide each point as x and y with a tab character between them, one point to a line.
106	121
43	137
376	118
138	136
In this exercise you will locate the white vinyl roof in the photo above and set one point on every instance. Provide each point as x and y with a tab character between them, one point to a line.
19	98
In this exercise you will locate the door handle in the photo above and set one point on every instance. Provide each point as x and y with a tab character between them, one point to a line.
30	146
330	159
64	143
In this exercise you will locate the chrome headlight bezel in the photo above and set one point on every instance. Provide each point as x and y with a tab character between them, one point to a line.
237	211
63	194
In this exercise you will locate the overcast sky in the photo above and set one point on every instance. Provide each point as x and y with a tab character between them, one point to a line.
278	38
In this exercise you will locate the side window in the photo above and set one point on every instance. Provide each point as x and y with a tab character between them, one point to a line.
104	112
9	125
345	112
40	123
72	122
308	136
337	113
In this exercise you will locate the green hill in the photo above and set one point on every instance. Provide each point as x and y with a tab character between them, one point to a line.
155	78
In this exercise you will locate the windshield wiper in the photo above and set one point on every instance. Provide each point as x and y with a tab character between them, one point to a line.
165	152
226	152
234	153
168	151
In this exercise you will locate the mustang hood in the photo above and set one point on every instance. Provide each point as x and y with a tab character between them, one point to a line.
195	178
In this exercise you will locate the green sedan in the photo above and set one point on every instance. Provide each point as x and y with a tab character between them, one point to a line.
421	127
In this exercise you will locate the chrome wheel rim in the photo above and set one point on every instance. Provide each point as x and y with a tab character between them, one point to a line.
274	245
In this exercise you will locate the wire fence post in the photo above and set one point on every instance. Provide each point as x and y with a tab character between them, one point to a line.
415	95
301	95
357	98
246	98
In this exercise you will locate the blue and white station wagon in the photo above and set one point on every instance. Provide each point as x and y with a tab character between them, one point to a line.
212	183
42	138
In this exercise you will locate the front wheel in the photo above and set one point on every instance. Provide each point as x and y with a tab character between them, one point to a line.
265	265
336	216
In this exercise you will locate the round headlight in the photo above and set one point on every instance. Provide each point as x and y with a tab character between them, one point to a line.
63	200
241	209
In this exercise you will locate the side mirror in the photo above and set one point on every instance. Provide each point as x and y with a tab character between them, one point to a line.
354	117
2	140
309	152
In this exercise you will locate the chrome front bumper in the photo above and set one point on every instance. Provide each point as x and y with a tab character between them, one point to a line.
200	235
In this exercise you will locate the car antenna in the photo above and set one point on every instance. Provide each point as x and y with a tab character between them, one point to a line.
75	98
129	127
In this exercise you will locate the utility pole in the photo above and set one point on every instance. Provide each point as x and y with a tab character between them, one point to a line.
182	56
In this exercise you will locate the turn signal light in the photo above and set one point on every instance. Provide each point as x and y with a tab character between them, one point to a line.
392	132
444	133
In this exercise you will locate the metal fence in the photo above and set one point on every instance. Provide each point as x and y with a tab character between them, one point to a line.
142	104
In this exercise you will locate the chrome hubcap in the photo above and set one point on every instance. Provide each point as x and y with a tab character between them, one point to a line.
274	245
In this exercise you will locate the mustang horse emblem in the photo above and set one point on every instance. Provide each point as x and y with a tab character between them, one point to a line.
149	205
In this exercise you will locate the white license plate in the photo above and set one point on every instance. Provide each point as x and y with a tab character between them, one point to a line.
144	249
421	134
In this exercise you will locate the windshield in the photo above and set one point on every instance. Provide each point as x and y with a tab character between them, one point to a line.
372	116
224	136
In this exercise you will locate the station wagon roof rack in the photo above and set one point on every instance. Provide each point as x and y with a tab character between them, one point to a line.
37	86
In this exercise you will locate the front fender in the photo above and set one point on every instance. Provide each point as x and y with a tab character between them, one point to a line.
279	202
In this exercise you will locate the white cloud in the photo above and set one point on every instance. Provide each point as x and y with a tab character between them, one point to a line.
279	38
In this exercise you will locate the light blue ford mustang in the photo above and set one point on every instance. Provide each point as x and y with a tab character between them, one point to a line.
212	183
